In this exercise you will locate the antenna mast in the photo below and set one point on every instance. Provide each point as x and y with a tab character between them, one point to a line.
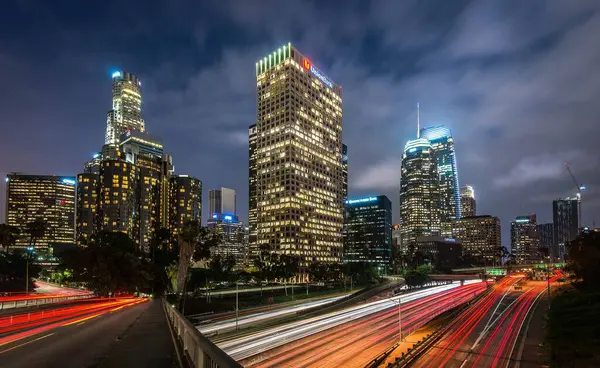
418	123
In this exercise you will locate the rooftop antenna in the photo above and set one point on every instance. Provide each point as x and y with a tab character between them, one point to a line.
418	123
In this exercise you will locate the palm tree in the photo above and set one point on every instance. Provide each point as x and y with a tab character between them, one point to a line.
188	239
36	230
8	235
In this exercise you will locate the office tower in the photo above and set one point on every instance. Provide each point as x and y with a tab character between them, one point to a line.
222	201
186	202
299	183
442	144
345	170
233	234
468	205
481	238
126	112
368	235
118	200
252	195
419	193
566	225
94	165
546	236
524	240
444	253
166	172
47	197
88	206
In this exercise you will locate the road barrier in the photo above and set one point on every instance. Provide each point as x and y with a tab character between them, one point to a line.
199	350
38	300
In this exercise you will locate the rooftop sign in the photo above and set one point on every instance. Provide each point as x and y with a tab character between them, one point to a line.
361	200
320	76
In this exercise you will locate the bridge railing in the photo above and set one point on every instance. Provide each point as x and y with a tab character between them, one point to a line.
14	302
199	350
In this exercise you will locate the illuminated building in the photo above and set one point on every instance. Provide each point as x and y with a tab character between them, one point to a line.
546	236
480	236
47	197
566	225
233	234
442	252
368	235
524	240
221	201
468	205
186	201
345	170
252	194
117	197
126	112
94	165
88	206
442	144
298	159
419	192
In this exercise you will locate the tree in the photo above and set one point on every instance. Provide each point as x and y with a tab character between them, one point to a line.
286	268
318	271
584	260
222	268
415	278
8	236
36	229
164	253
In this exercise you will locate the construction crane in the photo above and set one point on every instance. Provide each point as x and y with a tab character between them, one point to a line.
580	188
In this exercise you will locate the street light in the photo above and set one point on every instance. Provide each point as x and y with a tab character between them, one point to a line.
28	251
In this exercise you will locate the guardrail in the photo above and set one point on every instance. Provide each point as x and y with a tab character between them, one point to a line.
39	300
199	350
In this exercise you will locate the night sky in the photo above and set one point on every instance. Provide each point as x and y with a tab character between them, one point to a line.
518	82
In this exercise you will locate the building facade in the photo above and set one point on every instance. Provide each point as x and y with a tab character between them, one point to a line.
566	225
118	201
46	197
345	170
298	175
480	237
222	201
368	236
252	194
468	205
185	201
524	240
419	192
126	112
442	144
546	236
88	206
442	252
234	241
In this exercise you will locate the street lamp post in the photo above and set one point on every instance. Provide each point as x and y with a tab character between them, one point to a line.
29	250
400	318
236	305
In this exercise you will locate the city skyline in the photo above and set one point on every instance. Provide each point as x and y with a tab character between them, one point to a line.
520	180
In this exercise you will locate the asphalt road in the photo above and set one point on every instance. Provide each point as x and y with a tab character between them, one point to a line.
131	337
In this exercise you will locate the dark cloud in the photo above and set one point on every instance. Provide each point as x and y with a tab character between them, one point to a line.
517	82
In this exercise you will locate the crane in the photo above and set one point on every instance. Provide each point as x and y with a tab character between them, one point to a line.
580	188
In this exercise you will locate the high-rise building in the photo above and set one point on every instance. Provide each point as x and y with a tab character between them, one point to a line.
524	240
126	112
299	180
443	252
369	231
118	200
252	194
233	234
46	197
566	225
480	236
88	206
222	201
546	236
186	201
468	205
345	170
419	192
442	144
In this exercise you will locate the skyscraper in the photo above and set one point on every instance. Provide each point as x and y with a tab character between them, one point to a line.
442	144
524	240
368	235
185	201
88	206
299	180
118	200
252	194
419	192
345	170
221	201
566	225
468	205
47	197
126	112
546	236
480	236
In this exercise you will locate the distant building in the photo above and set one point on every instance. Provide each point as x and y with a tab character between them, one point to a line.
546	236
419	192
234	242
480	237
467	201
185	201
369	231
252	195
118	199
345	170
222	201
444	253
524	240
47	197
566	225
88	206
126	112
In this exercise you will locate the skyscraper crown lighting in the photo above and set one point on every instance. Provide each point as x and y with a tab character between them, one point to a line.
435	132
416	144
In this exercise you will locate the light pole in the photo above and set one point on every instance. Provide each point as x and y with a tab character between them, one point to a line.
236	305
29	250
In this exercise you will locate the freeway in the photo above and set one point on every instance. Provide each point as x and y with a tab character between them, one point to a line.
125	333
253	344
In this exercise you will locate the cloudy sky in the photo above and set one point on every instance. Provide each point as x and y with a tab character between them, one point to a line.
518	82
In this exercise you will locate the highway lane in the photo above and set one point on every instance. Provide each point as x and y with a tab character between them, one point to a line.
256	343
94	341
355	343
